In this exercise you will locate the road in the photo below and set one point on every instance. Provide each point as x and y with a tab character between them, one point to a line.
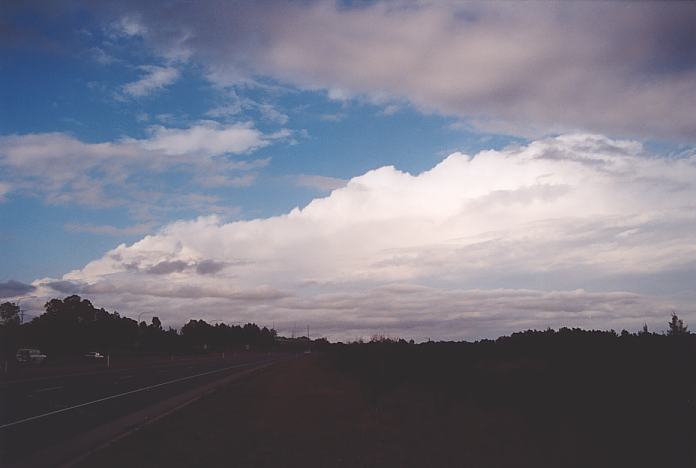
45	412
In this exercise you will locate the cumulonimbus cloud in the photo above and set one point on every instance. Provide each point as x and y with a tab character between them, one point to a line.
574	230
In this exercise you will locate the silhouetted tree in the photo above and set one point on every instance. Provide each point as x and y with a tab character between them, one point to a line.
645	331
676	326
9	313
9	329
74	325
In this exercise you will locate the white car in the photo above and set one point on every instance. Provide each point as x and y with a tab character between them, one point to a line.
30	356
94	355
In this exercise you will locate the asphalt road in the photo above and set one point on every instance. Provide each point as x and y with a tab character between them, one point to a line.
43	411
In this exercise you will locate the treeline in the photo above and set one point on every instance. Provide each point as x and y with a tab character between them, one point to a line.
73	326
387	360
384	362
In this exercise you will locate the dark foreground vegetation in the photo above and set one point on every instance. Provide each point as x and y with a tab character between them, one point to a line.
590	398
566	398
73	326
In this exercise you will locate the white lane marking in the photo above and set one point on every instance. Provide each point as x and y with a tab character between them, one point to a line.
103	371
150	387
49	389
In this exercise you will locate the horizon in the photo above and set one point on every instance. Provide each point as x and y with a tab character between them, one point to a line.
675	326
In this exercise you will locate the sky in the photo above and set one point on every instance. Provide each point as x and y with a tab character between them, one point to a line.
416	169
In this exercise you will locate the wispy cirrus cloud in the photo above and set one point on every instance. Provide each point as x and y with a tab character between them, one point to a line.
155	78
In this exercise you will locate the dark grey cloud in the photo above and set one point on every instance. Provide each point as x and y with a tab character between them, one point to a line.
619	68
203	267
166	267
209	267
14	288
66	287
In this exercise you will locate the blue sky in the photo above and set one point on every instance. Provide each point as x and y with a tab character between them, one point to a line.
131	131
68	89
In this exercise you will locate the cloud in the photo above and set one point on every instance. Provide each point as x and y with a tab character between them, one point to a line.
226	110
391	109
209	267
64	169
233	104
106	229
272	114
206	138
65	287
4	188
128	26
321	183
14	288
618	68
154	79
577	230
215	180
100	56
337	117
166	267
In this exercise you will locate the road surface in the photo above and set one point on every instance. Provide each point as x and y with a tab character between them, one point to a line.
43	415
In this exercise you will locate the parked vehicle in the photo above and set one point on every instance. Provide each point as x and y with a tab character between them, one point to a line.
30	356
94	355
